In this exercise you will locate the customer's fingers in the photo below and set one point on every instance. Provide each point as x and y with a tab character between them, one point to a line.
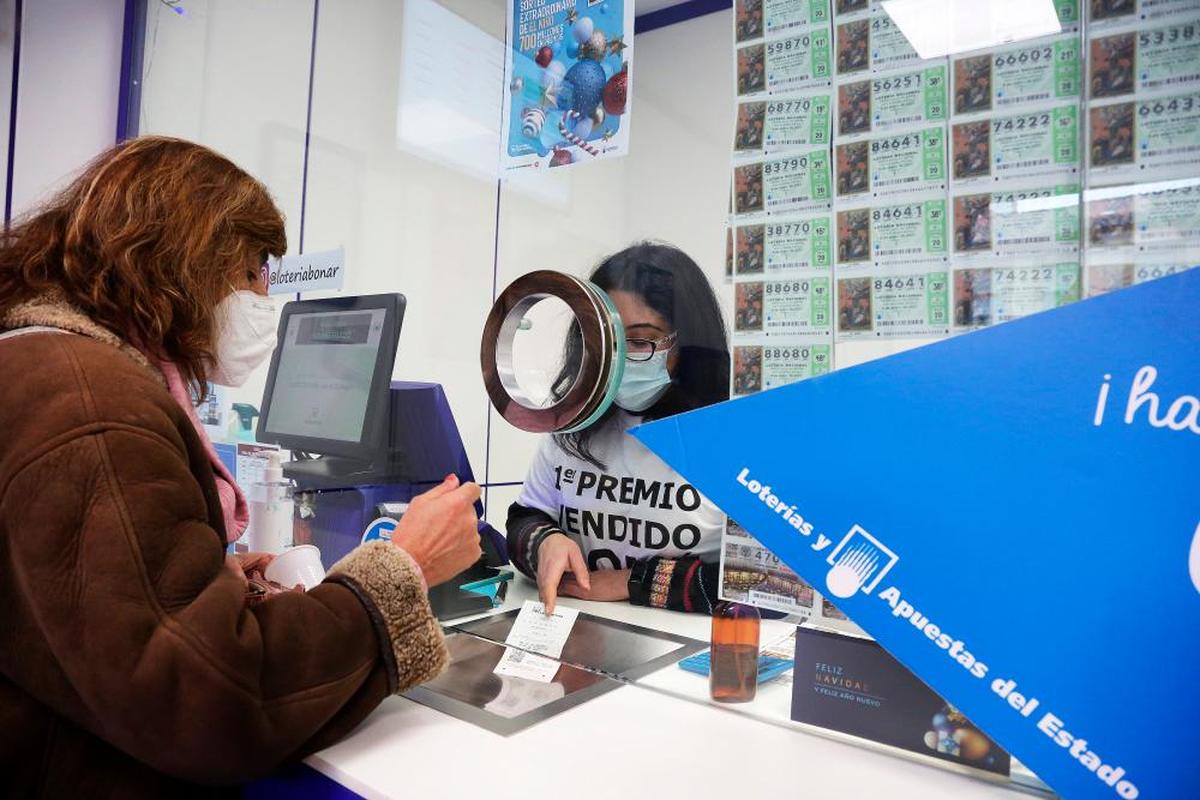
255	561
579	567
446	486
469	492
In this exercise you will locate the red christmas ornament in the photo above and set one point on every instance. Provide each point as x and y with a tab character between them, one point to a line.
561	158
543	56
616	92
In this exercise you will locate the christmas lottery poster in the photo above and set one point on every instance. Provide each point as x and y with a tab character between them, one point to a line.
567	70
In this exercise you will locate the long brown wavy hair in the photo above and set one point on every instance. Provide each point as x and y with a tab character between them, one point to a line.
146	242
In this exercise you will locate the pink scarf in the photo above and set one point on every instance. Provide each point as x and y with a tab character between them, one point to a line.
233	502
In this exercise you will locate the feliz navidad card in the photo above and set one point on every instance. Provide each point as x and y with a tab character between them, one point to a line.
567	66
1013	513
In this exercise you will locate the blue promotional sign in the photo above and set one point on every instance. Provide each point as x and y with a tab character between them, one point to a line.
1014	514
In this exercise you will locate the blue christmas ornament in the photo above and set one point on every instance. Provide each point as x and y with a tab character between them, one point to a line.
566	96
586	80
583	29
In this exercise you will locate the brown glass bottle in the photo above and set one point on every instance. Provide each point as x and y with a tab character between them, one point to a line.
733	676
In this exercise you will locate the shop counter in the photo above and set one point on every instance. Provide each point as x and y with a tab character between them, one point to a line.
658	736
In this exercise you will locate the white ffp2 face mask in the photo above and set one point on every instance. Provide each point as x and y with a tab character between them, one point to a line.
246	337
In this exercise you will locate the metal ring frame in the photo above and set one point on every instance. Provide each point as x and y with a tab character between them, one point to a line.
600	370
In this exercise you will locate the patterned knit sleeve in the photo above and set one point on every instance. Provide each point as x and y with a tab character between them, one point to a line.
680	584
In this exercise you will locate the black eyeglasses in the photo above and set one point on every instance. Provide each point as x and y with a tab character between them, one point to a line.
644	349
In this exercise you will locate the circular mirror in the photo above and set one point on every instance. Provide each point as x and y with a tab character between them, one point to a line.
553	353
540	347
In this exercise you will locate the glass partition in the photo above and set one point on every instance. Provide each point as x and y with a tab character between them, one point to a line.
939	195
8	40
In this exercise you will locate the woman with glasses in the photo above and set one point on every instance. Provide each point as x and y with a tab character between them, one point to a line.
600	517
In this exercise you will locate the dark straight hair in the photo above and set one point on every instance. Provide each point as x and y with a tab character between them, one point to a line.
673	285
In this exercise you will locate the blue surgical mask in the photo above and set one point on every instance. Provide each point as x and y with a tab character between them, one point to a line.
644	382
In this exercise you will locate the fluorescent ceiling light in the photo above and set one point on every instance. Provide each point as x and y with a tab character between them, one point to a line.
939	27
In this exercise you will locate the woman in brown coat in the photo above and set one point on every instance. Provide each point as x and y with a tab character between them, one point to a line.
130	664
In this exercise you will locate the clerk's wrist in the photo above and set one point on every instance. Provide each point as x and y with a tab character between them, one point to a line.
549	535
539	538
641	575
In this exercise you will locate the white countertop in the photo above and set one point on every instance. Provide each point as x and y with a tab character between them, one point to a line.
641	740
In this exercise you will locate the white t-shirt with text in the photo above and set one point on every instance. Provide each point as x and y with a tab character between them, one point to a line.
635	508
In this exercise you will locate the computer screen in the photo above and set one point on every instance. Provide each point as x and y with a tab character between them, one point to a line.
325	373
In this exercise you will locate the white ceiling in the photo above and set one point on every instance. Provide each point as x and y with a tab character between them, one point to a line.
646	6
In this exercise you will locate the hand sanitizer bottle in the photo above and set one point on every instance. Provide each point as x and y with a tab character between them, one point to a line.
271	516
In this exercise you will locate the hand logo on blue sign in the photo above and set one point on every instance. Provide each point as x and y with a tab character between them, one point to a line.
859	558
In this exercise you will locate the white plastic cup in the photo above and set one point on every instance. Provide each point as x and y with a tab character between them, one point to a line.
297	565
